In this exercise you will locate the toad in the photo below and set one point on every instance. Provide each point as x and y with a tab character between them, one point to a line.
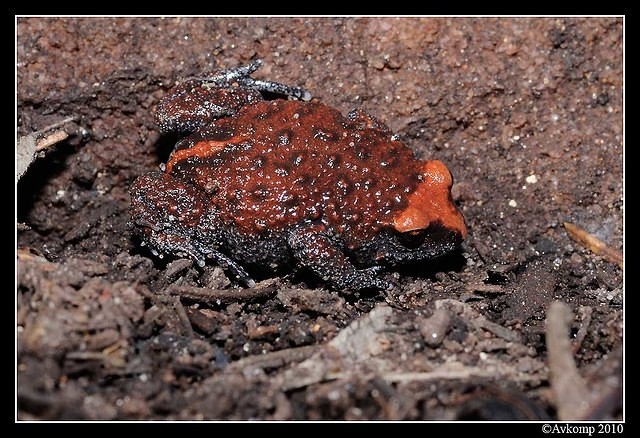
268	179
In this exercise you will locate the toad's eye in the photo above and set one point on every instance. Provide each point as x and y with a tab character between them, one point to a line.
411	239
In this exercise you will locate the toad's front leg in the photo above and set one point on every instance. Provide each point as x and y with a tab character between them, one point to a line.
314	248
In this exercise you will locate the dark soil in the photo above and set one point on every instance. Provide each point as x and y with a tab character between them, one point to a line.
525	112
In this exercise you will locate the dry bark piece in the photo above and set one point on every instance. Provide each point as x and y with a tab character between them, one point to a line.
29	145
594	244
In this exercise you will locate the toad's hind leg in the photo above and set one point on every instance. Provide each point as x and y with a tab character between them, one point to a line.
277	88
242	76
198	100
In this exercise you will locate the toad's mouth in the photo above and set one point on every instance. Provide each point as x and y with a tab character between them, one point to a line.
395	247
433	235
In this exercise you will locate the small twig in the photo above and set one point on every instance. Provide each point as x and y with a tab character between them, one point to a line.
111	355
479	321
586	312
274	359
594	244
220	296
51	139
498	330
569	388
486	288
182	317
166	300
57	125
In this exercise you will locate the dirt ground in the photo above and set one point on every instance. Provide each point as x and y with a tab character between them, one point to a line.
524	322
